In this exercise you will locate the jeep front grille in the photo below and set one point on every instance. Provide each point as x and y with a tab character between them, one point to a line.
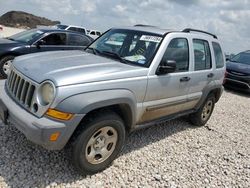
21	89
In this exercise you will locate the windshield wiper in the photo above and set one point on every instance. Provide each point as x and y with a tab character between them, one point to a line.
10	38
115	55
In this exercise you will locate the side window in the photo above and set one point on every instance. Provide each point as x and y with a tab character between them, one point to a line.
178	51
73	29
98	33
92	33
218	55
78	40
82	30
202	55
55	39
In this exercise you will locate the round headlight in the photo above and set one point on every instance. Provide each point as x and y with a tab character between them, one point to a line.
46	93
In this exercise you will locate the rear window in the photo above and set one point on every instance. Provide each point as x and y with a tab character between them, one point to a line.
80	30
78	40
202	55
73	29
61	26
218	55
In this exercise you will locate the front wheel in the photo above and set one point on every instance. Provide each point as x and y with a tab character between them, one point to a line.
5	64
201	117
99	143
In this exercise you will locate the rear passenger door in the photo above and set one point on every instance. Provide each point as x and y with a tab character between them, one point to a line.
77	42
202	76
51	42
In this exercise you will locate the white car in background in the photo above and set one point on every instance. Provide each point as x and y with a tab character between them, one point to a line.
1	29
72	28
94	34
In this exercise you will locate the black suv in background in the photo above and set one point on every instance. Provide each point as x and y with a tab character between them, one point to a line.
38	40
238	72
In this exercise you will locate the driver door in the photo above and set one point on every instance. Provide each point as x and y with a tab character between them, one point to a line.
51	42
167	93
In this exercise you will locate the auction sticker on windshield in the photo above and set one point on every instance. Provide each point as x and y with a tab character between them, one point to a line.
136	58
149	38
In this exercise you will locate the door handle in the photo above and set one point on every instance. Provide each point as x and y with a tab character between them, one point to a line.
210	75
185	79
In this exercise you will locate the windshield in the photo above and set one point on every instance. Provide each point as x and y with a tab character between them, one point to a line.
129	46
27	36
61	26
243	58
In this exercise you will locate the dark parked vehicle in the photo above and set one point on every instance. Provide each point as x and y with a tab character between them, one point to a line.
38	40
238	72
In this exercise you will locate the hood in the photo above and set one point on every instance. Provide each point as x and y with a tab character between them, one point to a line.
8	43
238	67
73	67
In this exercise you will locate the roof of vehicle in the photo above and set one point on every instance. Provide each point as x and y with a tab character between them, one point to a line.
51	30
146	28
160	31
94	30
72	26
45	30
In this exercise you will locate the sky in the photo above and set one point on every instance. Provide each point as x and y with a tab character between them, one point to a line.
228	19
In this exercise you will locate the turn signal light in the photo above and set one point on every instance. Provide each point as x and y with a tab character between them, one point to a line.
54	136
59	115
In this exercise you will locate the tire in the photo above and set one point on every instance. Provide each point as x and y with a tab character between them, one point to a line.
4	65
204	113
99	143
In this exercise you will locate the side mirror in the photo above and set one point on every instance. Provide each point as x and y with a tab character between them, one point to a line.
39	43
166	67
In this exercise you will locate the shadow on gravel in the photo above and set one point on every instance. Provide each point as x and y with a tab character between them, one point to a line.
23	164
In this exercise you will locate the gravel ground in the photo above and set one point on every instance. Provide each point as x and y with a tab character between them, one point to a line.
173	154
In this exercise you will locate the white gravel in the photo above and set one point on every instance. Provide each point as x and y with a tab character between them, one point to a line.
174	154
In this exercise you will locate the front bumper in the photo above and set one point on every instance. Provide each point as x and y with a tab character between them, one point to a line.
38	130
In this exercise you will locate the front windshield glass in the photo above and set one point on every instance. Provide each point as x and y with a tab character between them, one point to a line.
243	58
27	36
128	46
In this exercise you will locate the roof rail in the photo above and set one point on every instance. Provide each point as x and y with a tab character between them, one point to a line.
187	30
142	25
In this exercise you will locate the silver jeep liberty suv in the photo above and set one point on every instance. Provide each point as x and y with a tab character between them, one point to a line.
128	78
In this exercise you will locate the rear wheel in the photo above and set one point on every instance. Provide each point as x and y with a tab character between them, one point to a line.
99	143
5	64
201	117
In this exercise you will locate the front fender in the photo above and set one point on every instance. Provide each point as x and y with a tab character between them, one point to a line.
86	102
